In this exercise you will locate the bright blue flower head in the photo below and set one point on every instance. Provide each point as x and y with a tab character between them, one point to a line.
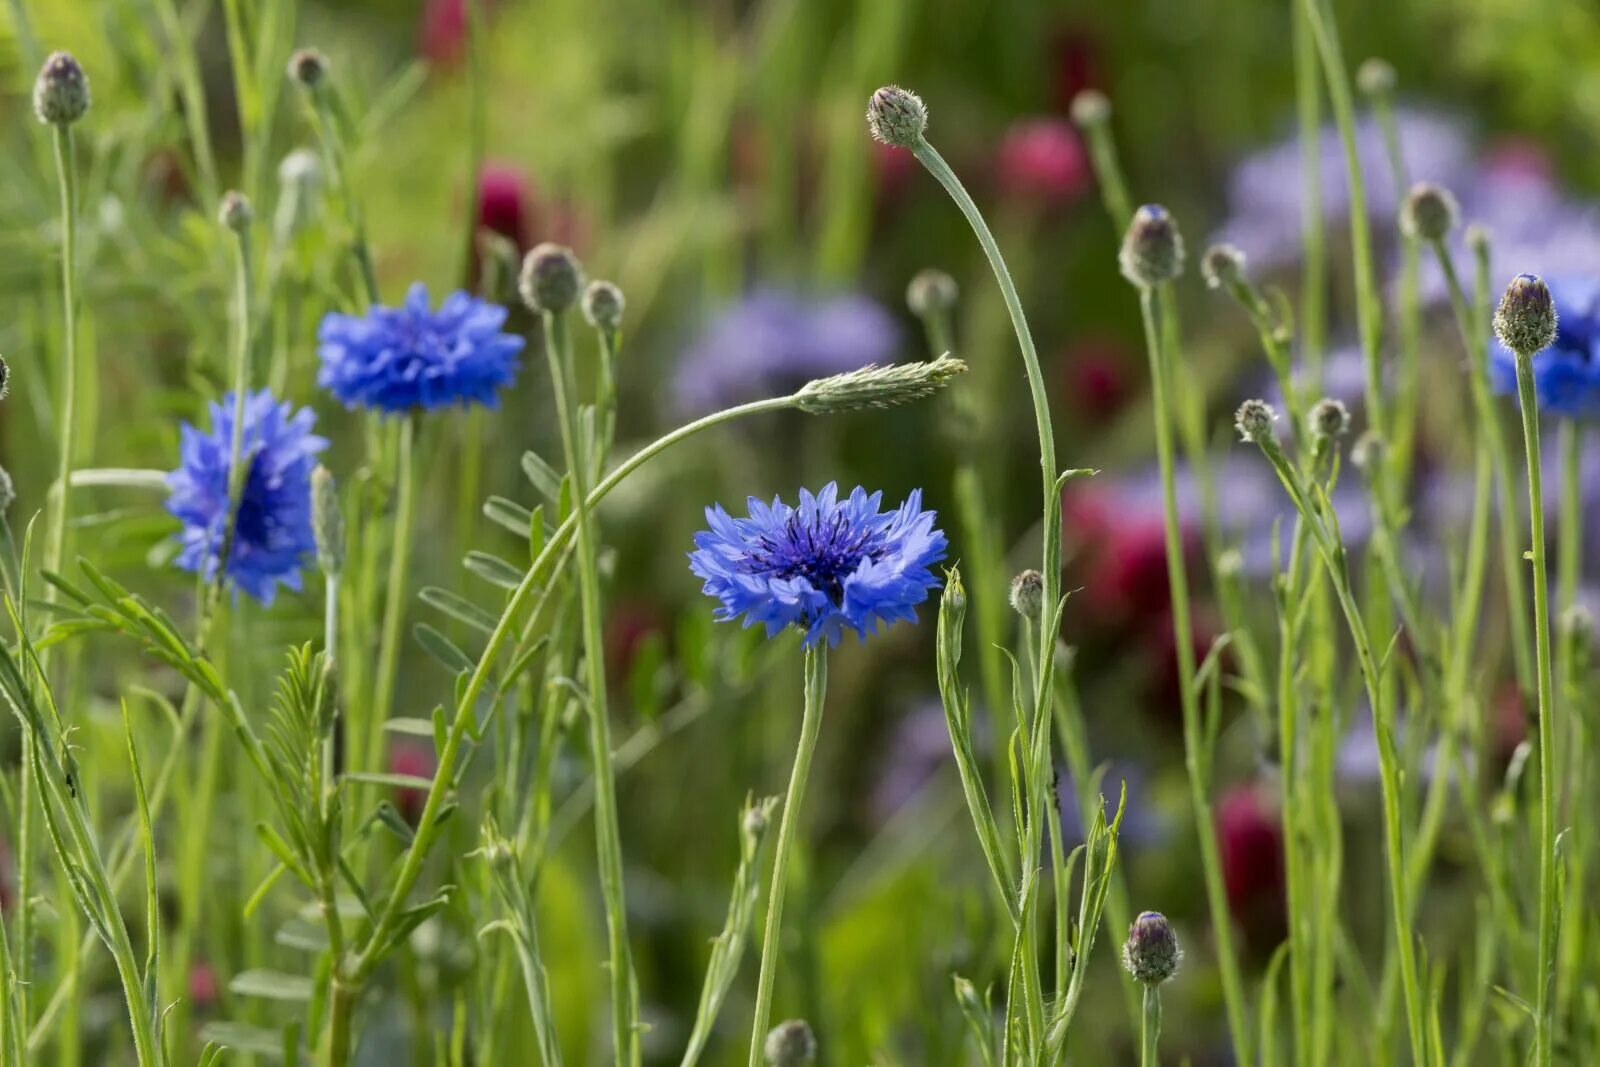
824	566
400	359
1566	376
273	537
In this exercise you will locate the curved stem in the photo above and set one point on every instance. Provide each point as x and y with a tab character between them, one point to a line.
608	833
1543	1038
816	685
1196	759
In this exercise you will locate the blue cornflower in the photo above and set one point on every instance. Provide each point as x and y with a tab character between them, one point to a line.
399	359
1566	376
273	537
823	566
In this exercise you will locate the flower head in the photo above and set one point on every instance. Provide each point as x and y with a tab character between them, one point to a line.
1151	953
1429	212
825	566
552	278
401	358
1526	321
1254	421
1027	594
273	536
61	93
897	116
1566	375
1152	249
307	68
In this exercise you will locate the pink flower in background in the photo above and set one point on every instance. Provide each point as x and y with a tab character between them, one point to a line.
1042	161
442	31
414	758
203	985
506	204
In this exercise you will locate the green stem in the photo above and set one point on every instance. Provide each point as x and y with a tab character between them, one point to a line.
1314	277
816	686
608	834
395	595
67	177
1544	1021
1196	759
535	578
1150	1026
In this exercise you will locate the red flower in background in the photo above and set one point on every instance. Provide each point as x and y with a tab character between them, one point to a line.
629	624
1250	841
505	204
1075	65
203	985
1094	379
1043	162
442	30
414	758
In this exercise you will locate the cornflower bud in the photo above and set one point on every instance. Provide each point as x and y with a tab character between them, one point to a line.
235	212
8	492
1525	321
5	378
1254	421
897	116
1223	264
1368	451
1477	237
1091	108
931	292
1329	419
791	1044
307	68
603	305
1375	77
1152	249
552	278
1429	212
1151	953
61	93
1027	594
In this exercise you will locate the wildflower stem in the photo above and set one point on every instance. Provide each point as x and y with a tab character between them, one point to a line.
1314	272
816	686
67	422
1544	1021
395	595
608	834
1196	757
237	470
536	577
1471	320
1150	1026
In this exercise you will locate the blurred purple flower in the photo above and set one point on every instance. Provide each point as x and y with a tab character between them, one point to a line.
918	746
1142	823
773	341
1266	189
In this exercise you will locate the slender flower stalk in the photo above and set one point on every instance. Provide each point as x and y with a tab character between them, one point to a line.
551	283
1526	324
816	690
1197	758
395	599
1151	955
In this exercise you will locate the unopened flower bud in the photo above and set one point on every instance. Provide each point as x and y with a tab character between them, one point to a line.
1152	250
8	492
878	387
327	521
1230	563
1525	321
1429	212
1368	451
931	292
954	599
1223	264
1329	418
5	378
301	167
1091	108
897	116
235	212
756	821
307	68
1477	236
1577	625
1254	421
1151	953
61	93
791	1044
1027	594
1376	77
552	278
603	305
